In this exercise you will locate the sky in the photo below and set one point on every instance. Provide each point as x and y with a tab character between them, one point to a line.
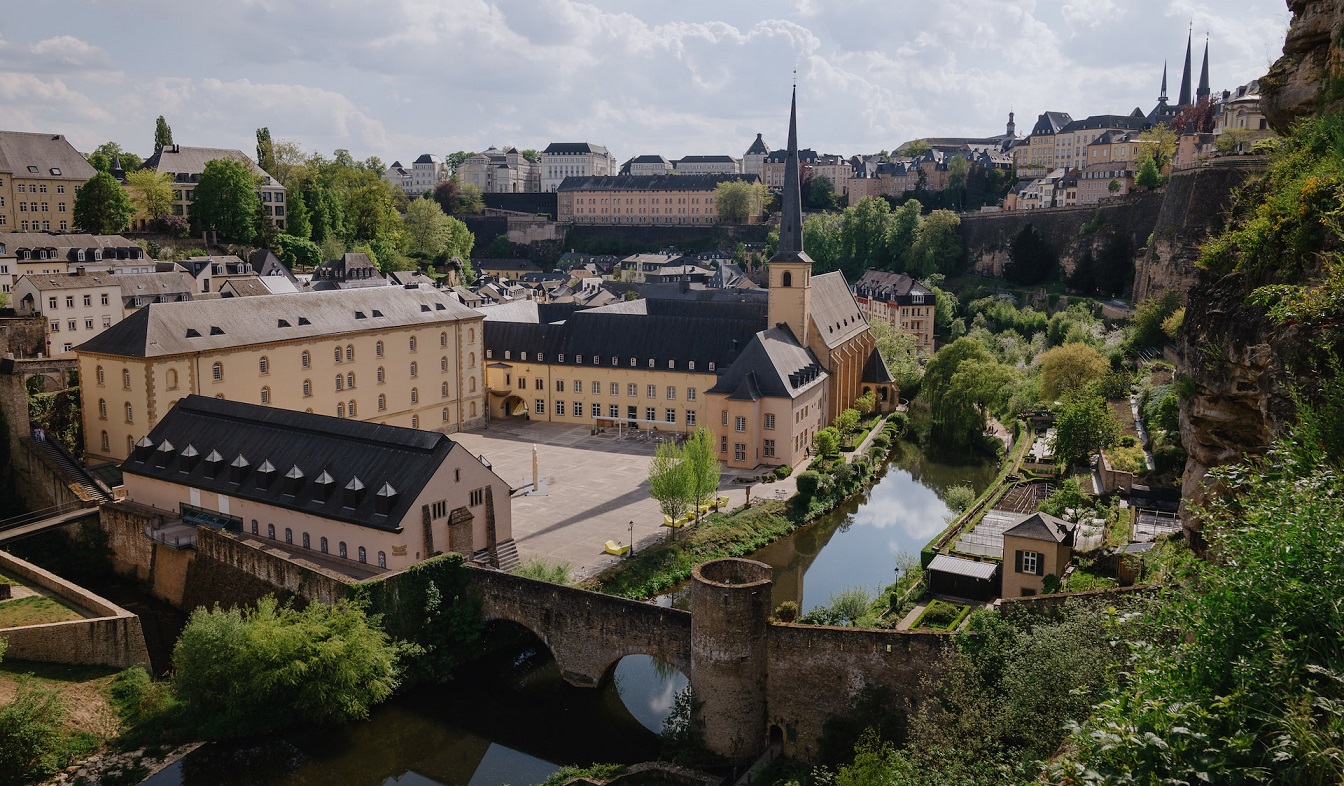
398	78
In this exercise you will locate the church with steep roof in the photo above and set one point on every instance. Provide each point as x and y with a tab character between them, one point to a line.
1165	112
764	381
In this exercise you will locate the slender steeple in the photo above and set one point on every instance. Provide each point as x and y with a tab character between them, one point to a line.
791	214
1185	77
1162	98
1203	92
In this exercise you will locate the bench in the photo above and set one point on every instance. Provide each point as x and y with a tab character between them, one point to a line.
617	550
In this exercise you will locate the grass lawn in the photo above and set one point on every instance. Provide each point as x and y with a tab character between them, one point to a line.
35	610
1127	459
84	692
941	615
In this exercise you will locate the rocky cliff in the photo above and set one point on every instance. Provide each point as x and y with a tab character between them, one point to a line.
1310	75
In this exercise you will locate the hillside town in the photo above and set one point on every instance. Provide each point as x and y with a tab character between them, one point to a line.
758	449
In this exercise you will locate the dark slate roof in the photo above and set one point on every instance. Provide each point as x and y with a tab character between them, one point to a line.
1129	122
888	287
706	160
52	154
648	159
570	148
806	155
266	263
875	370
588	334
695	182
772	365
758	147
381	458
428	158
835	312
1042	526
1050	123
512	265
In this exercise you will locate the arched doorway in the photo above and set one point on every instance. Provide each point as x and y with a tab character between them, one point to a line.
513	407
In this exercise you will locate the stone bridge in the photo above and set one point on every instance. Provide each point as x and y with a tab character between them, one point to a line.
757	682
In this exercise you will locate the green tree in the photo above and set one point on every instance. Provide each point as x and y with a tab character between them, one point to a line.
956	182
1114	186
1069	369
455	160
938	246
109	153
266	151
428	229
163	134
847	421
248	671
1084	425
1145	327
701	456
902	231
458	198
820	193
821	238
901	354
226	200
914	148
151	192
297	252
1159	145
371	212
954	416
739	201
297	222
863	237
326	214
826	442
1149	176
530	154
102	206
670	480
264	231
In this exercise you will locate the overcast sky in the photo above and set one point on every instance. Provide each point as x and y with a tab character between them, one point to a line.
396	78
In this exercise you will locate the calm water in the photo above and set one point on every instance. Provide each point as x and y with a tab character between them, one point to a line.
516	721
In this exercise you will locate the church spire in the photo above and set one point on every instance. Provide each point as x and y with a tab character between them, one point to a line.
1204	90
791	214
1162	98
1185	76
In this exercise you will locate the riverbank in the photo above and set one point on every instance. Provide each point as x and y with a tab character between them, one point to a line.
659	567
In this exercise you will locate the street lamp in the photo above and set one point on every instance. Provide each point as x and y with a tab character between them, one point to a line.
632	539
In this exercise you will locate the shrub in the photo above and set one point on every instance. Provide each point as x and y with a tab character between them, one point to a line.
882	441
1127	441
787	611
541	570
783	471
137	697
808	483
826	442
33	741
958	498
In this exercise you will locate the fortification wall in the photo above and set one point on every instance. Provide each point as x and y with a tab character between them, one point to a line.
233	569
111	636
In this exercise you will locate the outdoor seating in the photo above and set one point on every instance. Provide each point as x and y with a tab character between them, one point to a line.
616	550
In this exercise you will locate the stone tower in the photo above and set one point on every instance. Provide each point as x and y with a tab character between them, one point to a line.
790	295
730	610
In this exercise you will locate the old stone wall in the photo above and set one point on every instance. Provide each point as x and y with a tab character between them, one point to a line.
616	239
23	337
817	672
162	568
588	632
233	569
986	236
1194	208
111	636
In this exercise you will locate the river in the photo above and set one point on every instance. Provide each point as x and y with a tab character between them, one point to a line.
516	721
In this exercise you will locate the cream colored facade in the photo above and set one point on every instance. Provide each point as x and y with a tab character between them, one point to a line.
420	373
598	395
39	174
1027	561
917	320
596	204
76	311
769	431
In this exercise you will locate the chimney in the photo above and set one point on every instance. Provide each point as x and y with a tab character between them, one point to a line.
79	271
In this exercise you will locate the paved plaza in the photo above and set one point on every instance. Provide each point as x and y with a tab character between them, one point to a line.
594	487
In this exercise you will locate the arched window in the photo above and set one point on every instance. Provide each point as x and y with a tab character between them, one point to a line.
378	349
415	396
412	343
445	414
471	335
130	412
100	375
307	544
787	280
254	526
471	384
306	360
217	372
381	375
349	352
443	390
352	409
270	531
382	559
172	379
265	395
340	382
363	555
322	545
471	360
340	549
350	380
102	408
443	339
338	354
107	445
382	403
415	369
307	388
443	363
289	535
126	378
340	409
264	365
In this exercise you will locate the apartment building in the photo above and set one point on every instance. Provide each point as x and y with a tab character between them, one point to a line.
707	165
38	177
29	253
496	171
81	305
392	355
646	199
900	301
574	159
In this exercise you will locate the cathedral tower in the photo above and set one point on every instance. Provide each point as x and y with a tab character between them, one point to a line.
790	296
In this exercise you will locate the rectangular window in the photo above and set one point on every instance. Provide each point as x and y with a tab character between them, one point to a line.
651	391
690	394
632	390
671	416
769	420
690	417
1029	562
540	406
740	423
725	417
578	409
476	498
615	388
723	444
104	299
597	388
769	448
613	411
559	407
539	383
739	451
559	386
671	393
88	300
597	411
649	414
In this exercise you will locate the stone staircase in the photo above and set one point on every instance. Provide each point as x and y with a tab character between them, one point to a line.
507	553
87	486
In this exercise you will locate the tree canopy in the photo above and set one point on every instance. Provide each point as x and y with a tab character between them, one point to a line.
737	201
151	192
1069	369
226	200
163	134
102	206
1031	258
1083	426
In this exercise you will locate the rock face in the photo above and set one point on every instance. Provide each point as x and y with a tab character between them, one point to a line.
1235	380
1311	70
